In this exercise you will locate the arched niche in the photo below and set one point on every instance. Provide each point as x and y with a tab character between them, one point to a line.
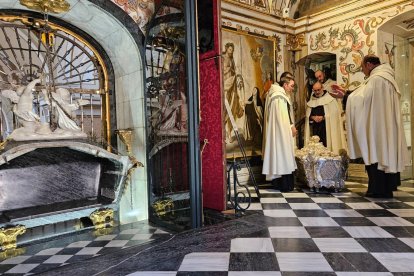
121	39
307	66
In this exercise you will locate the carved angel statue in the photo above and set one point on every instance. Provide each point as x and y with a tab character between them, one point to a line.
32	127
23	104
65	110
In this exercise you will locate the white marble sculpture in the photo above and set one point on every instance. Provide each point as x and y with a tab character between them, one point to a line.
65	110
30	125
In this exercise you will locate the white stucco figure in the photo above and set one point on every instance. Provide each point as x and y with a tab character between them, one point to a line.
30	126
65	110
23	100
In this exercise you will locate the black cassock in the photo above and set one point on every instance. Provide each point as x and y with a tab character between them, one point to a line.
318	128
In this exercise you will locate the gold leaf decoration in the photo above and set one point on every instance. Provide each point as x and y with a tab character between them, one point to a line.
46	6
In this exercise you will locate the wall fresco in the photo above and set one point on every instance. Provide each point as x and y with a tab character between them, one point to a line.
351	42
141	11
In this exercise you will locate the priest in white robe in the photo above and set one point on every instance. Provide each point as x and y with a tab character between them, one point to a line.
323	118
375	130
279	136
327	82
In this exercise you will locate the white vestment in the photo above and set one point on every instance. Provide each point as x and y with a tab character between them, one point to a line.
374	127
278	143
327	85
335	136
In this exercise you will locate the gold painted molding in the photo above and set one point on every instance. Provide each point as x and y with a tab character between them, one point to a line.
8	236
46	6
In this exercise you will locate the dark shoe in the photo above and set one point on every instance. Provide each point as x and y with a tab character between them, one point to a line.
276	183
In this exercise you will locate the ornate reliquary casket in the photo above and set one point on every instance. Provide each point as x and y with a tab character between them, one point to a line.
318	167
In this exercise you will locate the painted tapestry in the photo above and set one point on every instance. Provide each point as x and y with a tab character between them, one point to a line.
248	72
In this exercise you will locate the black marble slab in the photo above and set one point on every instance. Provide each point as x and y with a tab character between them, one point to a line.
166	255
47	180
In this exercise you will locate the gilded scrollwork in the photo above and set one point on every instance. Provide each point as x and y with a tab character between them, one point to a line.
102	218
163	207
295	42
47	6
8	236
278	42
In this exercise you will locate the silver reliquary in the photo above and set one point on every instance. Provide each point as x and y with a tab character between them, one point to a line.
318	167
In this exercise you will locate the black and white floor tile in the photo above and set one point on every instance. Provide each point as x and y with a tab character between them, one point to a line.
296	233
46	256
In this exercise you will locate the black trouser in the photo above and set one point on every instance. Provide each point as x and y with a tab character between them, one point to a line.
285	183
380	183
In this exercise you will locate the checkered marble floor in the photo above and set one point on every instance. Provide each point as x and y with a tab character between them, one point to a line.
296	233
46	256
324	233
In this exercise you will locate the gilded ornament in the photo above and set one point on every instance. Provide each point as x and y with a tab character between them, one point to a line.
163	206
126	137
3	144
8	236
296	42
8	254
47	6
101	218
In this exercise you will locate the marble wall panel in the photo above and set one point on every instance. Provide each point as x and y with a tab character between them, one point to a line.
48	180
88	16
137	118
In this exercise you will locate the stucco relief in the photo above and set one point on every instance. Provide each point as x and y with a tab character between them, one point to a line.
351	42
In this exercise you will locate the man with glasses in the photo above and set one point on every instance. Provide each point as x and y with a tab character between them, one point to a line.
323	118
